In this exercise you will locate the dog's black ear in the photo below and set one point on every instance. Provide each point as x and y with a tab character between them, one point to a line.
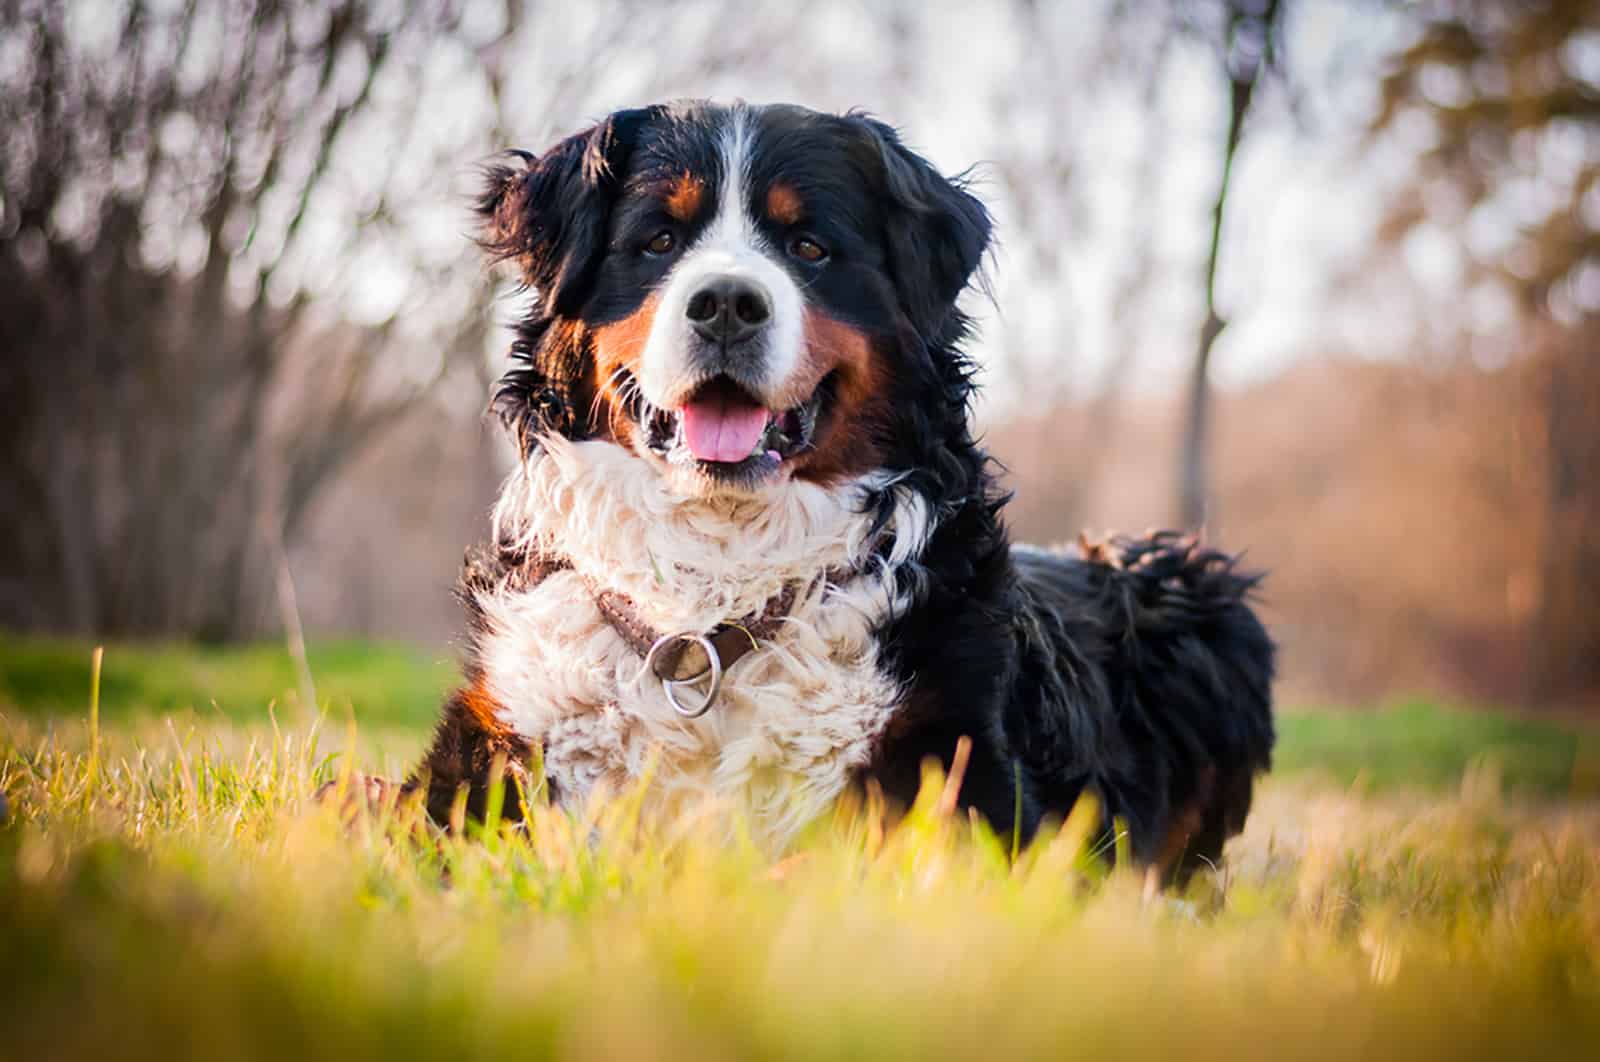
549	214
937	232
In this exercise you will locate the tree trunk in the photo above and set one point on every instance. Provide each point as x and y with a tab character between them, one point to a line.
1244	72
1194	457
1564	635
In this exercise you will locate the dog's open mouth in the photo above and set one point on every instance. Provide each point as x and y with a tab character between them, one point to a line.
727	432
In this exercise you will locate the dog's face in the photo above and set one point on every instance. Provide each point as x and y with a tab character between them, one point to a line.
739	295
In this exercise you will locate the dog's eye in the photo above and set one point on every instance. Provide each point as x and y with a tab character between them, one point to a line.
661	243
808	250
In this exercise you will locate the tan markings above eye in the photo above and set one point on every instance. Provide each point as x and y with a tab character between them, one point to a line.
684	195
661	243
783	204
807	250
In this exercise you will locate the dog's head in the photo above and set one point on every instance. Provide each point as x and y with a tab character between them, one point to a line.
740	295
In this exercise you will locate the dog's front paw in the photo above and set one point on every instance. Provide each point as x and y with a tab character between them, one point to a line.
356	793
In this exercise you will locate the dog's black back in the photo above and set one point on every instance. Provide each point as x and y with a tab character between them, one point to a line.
1136	671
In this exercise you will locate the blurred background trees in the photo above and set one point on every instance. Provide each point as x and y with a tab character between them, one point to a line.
186	368
233	259
245	332
1509	95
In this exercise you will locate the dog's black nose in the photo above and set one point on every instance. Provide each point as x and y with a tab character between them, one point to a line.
728	309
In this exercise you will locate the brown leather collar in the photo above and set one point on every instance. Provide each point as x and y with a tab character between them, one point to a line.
732	640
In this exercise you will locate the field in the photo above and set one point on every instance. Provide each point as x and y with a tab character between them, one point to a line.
1417	882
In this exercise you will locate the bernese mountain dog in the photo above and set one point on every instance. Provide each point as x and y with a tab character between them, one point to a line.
751	548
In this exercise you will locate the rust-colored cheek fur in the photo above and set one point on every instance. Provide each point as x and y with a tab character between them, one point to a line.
617	347
848	442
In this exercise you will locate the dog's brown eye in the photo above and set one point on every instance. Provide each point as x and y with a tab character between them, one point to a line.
661	243
807	250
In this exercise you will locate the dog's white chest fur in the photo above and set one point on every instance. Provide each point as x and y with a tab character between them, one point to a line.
795	719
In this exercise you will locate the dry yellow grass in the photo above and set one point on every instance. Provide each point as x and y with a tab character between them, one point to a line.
183	898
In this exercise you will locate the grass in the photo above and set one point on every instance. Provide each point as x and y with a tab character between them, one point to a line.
394	693
1422	744
394	685
167	890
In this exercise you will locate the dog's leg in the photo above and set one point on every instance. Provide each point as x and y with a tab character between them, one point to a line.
462	758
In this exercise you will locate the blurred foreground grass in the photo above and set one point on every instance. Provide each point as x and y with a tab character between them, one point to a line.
166	891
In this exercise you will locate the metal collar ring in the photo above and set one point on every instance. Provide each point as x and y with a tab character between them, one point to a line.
670	685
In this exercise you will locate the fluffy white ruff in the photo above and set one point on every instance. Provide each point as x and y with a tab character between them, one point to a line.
795	719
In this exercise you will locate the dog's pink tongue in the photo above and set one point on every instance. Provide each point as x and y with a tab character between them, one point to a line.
721	428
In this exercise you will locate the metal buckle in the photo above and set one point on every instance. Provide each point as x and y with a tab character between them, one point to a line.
670	685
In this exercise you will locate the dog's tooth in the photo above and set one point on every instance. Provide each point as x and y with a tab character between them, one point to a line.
808	421
770	439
